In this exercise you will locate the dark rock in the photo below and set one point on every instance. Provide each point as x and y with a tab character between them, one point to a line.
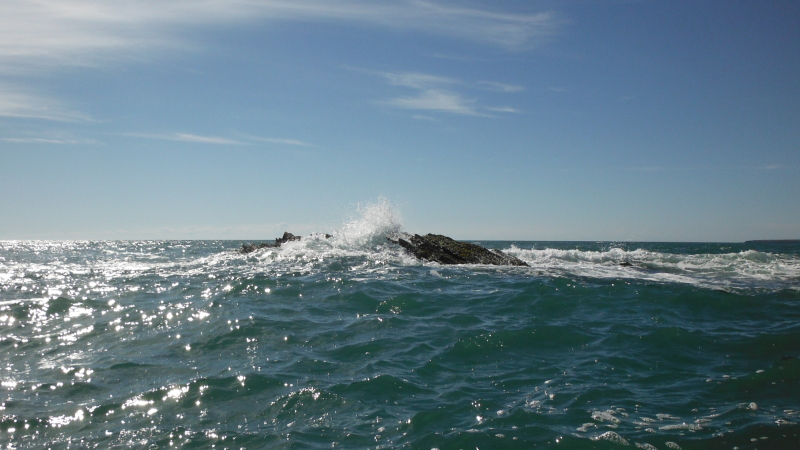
250	248
444	250
626	264
287	237
431	247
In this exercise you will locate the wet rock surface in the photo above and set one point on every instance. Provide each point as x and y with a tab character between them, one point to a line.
431	247
444	250
287	237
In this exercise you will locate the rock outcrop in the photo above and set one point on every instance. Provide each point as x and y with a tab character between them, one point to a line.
431	247
444	250
249	248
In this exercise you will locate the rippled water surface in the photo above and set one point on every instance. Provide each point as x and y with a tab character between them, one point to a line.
349	342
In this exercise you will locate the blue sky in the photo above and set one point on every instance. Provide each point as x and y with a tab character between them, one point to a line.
540	120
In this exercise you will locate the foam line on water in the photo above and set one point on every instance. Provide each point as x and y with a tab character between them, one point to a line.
728	270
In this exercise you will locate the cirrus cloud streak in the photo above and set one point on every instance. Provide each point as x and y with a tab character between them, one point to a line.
45	33
439	94
218	140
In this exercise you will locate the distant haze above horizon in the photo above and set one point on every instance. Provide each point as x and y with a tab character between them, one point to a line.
571	120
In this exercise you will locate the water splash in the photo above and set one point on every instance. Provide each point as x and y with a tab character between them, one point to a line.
363	237
377	221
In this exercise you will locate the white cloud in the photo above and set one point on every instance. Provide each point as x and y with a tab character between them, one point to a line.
280	141
30	140
18	103
503	109
439	94
218	140
45	33
416	80
186	137
433	93
435	100
183	137
499	87
422	117
41	36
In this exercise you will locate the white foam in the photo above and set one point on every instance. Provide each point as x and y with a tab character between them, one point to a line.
747	269
611	437
362	237
377	221
365	237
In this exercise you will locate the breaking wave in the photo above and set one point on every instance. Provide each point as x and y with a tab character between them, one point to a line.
360	245
737	270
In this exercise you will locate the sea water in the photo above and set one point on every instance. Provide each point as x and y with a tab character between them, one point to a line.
349	342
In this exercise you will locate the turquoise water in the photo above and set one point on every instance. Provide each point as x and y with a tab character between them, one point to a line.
350	343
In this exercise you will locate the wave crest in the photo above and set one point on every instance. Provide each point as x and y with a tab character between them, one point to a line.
745	269
377	221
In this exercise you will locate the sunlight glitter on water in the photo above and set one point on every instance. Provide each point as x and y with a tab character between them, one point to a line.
353	341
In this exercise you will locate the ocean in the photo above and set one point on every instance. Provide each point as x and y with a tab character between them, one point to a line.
349	342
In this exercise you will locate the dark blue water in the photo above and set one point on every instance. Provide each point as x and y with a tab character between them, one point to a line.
350	343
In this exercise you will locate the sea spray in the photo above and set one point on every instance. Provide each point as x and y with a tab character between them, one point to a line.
361	237
378	220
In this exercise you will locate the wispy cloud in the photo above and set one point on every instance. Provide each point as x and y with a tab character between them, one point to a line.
218	140
43	33
499	87
186	137
183	137
433	93
280	141
30	140
19	103
417	80
441	94
503	109
422	117
42	36
435	100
